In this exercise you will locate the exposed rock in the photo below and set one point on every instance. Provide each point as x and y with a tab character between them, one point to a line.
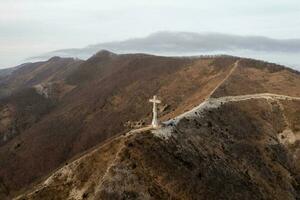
53	90
135	125
163	108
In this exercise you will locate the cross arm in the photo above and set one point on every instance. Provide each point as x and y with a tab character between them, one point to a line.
154	101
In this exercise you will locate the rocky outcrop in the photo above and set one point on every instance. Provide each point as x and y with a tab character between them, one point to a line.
135	125
53	90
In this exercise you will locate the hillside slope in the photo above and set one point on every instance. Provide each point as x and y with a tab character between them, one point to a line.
107	88
242	147
31	91
260	77
32	74
107	96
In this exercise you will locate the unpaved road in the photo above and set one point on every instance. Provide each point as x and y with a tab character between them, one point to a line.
254	96
235	65
216	102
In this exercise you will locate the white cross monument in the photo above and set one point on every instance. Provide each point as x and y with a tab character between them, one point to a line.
154	120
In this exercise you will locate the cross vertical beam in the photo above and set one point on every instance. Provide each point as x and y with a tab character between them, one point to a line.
155	101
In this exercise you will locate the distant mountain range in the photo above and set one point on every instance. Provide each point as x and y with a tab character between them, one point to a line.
282	51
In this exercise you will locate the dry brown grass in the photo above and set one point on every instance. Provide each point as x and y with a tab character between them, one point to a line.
106	91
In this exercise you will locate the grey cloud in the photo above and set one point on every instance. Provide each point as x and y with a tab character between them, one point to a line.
279	51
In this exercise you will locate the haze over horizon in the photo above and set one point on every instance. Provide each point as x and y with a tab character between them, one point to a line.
166	43
149	99
30	28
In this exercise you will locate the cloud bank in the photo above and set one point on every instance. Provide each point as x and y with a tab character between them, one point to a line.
283	51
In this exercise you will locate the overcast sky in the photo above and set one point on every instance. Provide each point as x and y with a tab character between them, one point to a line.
32	27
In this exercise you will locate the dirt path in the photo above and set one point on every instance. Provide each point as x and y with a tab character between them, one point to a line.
235	65
216	102
255	96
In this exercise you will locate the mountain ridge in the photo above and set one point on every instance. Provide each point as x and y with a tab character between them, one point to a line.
117	89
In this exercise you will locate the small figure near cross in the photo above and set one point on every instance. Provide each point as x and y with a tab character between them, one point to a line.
155	101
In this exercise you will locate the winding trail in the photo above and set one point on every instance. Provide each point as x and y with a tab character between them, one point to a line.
235	65
212	102
216	102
